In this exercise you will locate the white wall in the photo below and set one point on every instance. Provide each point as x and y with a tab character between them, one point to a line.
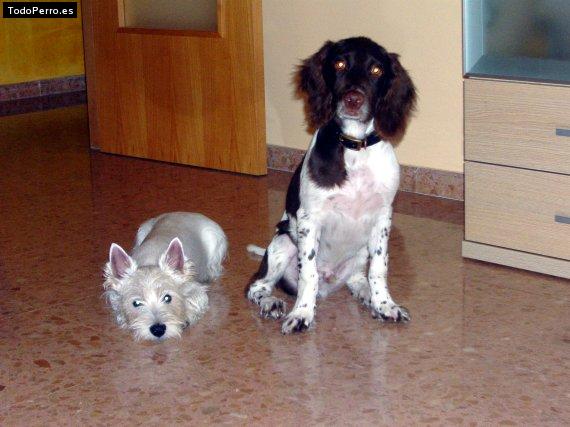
427	35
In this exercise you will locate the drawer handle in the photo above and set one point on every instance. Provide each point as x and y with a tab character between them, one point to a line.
562	132
562	219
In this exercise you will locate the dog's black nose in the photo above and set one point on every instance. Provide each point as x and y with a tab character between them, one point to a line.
353	100
158	329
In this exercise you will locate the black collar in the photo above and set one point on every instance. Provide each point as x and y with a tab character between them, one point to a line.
353	143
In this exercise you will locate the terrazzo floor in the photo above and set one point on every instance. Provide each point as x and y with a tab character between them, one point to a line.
487	345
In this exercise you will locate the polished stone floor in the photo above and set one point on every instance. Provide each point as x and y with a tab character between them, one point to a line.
487	345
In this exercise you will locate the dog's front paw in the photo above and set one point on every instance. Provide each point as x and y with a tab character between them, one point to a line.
390	312
272	307
297	321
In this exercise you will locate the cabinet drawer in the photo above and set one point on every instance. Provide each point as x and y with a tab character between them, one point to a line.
518	124
518	209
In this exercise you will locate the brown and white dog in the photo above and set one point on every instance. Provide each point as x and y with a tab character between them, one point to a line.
338	214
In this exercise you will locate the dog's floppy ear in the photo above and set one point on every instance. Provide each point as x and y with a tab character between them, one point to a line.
120	263
173	257
397	105
311	86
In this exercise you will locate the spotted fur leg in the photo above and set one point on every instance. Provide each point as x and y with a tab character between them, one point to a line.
280	253
358	282
382	305
303	313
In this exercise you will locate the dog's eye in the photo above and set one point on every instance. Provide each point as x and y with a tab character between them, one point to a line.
340	65
376	71
166	299
137	303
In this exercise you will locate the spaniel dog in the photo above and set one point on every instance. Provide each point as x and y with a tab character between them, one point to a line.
338	212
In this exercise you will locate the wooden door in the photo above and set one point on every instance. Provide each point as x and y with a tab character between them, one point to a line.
183	96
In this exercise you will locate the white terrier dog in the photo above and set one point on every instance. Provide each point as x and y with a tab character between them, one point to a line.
160	289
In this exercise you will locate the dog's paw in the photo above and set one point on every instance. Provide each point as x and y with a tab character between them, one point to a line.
297	321
255	295
362	294
390	312
272	307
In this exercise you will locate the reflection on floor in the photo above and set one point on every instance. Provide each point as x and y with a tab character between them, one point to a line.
487	344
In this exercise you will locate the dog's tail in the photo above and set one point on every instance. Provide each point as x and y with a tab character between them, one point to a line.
256	250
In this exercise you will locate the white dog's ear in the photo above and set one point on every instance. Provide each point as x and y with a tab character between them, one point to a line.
173	257
121	263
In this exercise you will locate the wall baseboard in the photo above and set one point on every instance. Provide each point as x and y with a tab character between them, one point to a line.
432	182
41	95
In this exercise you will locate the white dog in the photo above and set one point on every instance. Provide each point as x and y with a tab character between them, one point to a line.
160	289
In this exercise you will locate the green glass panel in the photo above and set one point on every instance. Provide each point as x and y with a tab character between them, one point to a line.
517	39
171	14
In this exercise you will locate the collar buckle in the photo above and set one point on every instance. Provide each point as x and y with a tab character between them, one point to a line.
353	143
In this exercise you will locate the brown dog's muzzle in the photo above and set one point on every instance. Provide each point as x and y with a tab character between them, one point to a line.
353	101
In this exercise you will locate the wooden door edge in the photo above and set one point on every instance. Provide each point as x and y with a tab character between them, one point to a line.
260	117
89	63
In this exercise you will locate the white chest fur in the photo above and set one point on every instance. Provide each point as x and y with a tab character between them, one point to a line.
372	180
348	212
